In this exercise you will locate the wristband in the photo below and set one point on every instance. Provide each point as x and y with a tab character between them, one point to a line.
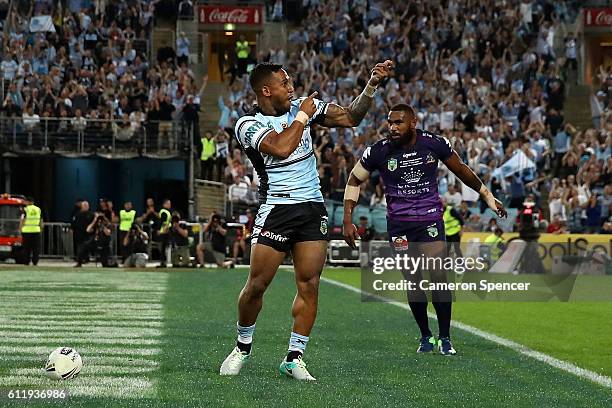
302	117
369	90
351	193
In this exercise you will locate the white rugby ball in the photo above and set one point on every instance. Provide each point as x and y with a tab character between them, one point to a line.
64	363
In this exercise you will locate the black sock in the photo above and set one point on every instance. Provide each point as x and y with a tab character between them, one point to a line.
293	354
443	311
245	348
419	311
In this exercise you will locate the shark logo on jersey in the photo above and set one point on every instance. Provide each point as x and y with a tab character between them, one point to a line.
392	164
323	227
430	159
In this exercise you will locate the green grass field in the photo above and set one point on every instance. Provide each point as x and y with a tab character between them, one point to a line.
156	339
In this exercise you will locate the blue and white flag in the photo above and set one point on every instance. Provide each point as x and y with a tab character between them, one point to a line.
41	24
517	163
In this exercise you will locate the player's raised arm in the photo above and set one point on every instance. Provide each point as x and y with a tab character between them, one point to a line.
281	145
470	179
351	195
351	116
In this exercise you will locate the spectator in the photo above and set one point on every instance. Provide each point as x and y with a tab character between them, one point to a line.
182	48
214	242
238	191
593	215
208	156
179	241
453	197
365	231
556	226
135	243
243	236
79	224
97	242
185	9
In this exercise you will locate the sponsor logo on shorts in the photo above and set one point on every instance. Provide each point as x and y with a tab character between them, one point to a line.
400	243
323	227
273	236
392	164
432	230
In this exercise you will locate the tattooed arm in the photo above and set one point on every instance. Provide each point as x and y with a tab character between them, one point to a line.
351	116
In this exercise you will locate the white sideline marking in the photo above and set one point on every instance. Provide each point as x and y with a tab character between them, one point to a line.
21	330
34	322
90	369
76	341
116	361
84	351
519	348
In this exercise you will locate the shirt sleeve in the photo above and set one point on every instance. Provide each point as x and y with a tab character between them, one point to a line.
250	132
372	157
442	147
320	113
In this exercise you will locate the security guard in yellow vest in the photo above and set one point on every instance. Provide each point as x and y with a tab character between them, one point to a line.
165	218
207	157
242	53
452	228
126	219
30	226
496	244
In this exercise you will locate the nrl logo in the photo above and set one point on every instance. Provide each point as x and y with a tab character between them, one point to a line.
392	164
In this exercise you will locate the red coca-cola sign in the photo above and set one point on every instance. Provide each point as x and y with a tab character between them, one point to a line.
598	17
248	15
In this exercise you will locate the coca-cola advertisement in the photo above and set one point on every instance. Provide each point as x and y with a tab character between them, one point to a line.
247	15
598	17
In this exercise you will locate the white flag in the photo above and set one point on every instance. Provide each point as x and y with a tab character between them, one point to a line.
41	24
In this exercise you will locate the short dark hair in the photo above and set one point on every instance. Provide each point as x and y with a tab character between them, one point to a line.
404	107
261	72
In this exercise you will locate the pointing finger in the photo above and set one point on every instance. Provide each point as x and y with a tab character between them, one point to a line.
314	94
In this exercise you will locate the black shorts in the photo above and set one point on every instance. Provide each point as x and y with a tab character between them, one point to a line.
280	226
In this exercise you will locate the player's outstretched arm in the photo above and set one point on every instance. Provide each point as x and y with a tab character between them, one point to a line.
470	179
351	195
351	116
281	145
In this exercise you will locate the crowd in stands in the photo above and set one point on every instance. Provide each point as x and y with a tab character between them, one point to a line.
489	76
91	62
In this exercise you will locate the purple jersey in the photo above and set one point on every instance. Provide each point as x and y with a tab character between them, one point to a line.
410	175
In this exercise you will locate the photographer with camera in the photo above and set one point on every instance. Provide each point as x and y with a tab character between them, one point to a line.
214	242
98	242
179	240
528	222
135	245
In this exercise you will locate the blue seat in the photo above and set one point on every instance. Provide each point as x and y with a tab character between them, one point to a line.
330	206
361	211
379	220
338	216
